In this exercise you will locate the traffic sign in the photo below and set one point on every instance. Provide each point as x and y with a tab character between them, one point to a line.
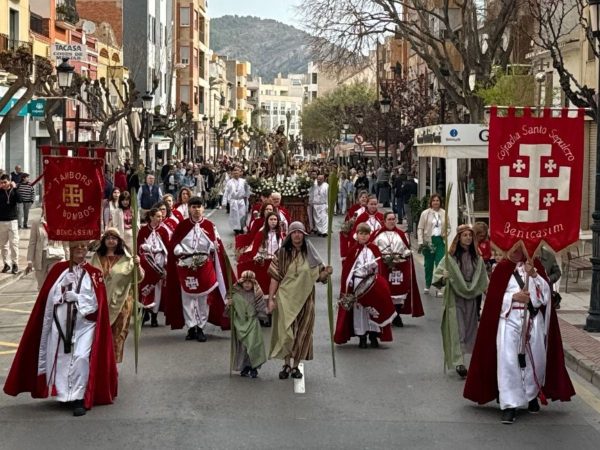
75	52
359	139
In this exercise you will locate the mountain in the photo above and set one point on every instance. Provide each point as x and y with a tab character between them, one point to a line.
271	47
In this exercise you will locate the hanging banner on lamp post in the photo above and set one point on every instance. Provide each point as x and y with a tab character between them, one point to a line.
73	192
535	179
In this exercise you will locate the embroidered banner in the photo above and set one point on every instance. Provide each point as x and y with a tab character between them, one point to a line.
73	192
535	179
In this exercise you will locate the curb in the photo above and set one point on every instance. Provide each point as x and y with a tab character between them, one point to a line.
582	366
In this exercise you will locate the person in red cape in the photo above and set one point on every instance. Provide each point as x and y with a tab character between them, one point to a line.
153	241
255	211
398	268
172	219
366	307
353	212
371	217
243	241
66	350
496	371
180	208
196	275
264	246
284	215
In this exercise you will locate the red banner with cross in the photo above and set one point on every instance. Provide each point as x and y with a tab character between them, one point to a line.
535	178
73	192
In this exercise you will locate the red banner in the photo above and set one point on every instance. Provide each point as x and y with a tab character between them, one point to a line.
535	179
73	191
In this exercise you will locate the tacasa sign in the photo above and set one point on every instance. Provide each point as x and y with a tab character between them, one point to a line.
535	179
73	191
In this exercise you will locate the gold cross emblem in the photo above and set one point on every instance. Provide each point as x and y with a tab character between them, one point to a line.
72	195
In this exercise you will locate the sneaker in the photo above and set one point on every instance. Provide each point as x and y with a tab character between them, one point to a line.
462	371
192	334
6	268
253	373
508	416
15	269
201	337
534	406
439	293
246	371
426	291
78	408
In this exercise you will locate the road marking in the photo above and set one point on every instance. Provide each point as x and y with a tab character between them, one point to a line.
587	396
22	311
8	352
299	386
8	344
23	303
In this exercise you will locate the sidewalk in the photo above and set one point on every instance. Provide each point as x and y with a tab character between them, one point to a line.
34	214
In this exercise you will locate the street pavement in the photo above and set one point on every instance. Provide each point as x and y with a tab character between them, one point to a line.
397	396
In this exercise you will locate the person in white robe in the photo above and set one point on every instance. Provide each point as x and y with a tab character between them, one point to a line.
320	197
236	194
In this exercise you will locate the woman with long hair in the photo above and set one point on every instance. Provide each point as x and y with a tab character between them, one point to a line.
180	209
431	232
464	274
117	265
111	214
127	218
243	241
153	241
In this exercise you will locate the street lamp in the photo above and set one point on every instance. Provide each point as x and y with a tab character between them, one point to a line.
64	75
205	128
592	322
147	99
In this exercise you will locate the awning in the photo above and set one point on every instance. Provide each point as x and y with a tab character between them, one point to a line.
453	152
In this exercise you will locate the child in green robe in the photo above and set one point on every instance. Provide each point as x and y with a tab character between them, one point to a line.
247	306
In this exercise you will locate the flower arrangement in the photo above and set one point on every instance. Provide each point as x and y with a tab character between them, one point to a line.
287	188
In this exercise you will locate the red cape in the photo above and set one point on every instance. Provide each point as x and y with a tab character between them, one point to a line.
363	218
378	296
412	304
482	382
346	240
173	307
103	378
150	277
246	262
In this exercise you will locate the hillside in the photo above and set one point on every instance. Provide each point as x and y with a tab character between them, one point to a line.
271	46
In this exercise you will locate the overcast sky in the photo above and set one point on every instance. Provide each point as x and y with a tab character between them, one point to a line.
281	10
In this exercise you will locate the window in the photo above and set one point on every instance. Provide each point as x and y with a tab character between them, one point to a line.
314	78
184	94
184	16
195	19
184	55
196	62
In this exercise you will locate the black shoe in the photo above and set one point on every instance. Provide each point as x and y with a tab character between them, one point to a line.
462	371
15	269
508	416
296	373
146	317
534	406
398	321
373	339
154	320
201	337
6	268
362	342
253	373
285	372
192	334
246	371
78	408
25	227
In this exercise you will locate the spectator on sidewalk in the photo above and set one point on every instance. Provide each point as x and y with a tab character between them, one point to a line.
121	179
409	191
15	176
26	198
9	230
148	195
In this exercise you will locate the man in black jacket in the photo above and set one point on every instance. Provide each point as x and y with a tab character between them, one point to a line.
9	229
409	190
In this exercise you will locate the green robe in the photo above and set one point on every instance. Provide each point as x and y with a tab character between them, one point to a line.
248	335
456	286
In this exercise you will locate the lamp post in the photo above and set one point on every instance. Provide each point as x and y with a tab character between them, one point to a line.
592	322
146	107
64	75
206	130
360	119
384	106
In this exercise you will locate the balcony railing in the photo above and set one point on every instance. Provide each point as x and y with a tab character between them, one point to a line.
6	43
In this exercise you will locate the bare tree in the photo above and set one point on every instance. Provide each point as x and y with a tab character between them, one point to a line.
30	72
558	23
457	39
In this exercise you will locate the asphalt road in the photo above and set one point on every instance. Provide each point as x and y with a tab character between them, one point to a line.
396	396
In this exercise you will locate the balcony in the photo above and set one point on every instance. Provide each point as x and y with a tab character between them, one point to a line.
6	43
67	13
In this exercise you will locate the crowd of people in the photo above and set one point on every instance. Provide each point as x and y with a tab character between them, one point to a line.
82	316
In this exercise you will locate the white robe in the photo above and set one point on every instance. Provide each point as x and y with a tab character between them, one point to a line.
390	242
68	372
195	306
364	265
320	207
236	195
516	386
